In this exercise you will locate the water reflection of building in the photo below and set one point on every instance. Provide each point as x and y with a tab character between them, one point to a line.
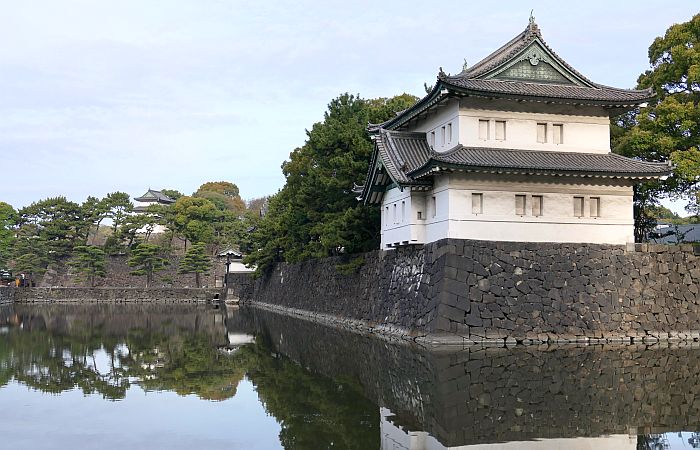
477	398
397	437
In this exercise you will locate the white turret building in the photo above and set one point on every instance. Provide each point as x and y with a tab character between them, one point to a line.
514	148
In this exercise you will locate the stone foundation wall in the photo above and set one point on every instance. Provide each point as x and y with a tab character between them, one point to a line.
239	286
61	274
115	295
461	291
7	295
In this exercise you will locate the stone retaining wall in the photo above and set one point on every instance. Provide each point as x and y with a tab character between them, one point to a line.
116	295
7	295
461	291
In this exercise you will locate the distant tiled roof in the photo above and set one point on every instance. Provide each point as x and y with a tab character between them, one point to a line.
406	159
154	196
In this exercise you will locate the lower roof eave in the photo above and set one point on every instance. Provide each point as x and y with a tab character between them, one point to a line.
432	170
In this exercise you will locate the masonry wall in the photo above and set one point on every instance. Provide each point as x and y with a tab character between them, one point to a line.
118	274
471	291
7	295
115	295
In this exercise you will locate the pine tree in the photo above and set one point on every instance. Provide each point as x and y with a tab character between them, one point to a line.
147	260
196	261
89	261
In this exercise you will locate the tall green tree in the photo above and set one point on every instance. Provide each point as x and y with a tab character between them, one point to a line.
316	214
58	222
196	261
224	194
89	262
194	218
147	260
30	252
8	222
668	129
172	193
118	206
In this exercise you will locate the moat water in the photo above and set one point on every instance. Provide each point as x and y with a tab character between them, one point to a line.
185	377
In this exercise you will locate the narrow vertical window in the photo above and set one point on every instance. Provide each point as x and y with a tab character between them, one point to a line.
403	212
520	205
419	216
484	130
477	203
386	218
536	205
558	133
449	133
395	217
500	130
578	206
443	136
542	133
595	206
433	207
432	139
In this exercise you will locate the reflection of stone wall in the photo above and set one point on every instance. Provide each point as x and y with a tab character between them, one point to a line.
115	295
7	295
119	320
526	292
482	395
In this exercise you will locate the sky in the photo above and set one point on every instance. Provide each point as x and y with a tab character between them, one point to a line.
98	96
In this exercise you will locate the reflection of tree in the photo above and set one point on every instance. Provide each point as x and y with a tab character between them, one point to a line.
56	364
186	364
315	412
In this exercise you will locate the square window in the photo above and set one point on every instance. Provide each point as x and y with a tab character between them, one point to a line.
537	205
542	133
477	203
484	130
595	206
520	205
558	133
500	130
578	206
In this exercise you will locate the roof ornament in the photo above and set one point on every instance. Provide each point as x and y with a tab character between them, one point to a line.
442	74
532	26
465	65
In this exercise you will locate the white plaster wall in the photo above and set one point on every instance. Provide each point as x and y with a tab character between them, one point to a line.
441	116
396	229
588	134
586	129
499	221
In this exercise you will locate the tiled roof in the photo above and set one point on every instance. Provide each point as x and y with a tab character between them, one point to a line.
402	152
598	94
154	196
573	163
491	77
405	158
